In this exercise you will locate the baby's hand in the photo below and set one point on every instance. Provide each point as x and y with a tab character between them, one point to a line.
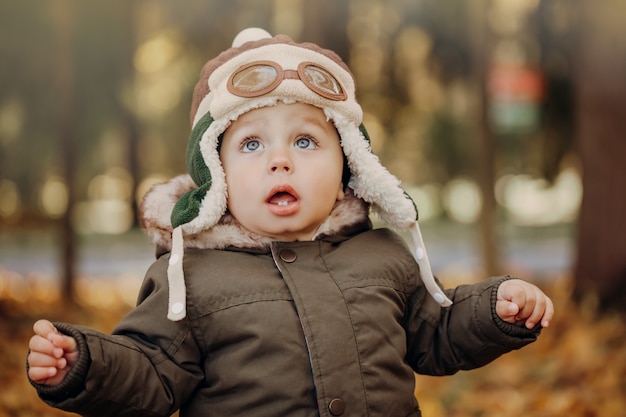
523	303
52	354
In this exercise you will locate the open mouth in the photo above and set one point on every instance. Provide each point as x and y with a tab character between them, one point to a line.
283	198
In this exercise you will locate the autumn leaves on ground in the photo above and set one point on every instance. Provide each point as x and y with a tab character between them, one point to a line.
577	368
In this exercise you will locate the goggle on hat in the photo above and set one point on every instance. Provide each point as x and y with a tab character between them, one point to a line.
258	71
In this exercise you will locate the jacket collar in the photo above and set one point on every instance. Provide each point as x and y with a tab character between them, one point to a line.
349	216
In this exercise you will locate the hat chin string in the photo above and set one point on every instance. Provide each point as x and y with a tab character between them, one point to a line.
419	252
177	303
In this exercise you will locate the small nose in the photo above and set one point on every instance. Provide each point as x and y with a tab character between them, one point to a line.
280	163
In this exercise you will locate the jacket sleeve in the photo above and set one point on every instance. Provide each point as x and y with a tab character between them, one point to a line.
149	366
466	335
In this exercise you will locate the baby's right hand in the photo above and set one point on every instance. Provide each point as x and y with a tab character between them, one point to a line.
52	354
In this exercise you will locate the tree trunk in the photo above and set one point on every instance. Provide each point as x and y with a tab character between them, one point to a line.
65	83
484	138
601	106
132	128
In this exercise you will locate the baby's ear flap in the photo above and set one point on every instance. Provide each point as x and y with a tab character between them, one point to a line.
188	206
196	165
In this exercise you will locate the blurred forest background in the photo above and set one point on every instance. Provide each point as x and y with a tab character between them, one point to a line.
504	119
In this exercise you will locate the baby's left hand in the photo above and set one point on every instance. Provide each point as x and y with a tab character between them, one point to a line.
523	303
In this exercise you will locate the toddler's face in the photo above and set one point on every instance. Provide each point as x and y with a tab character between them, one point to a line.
283	168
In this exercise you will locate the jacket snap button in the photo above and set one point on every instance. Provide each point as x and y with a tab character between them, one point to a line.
337	406
288	255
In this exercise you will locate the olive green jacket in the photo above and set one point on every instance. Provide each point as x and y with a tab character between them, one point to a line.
333	326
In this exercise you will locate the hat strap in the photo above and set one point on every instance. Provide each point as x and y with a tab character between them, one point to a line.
419	252
176	309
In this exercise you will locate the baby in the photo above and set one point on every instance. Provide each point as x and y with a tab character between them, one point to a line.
272	294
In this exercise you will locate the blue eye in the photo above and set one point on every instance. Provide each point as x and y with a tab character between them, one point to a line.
304	142
251	145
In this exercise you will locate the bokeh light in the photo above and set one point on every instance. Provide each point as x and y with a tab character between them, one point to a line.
12	119
427	198
146	184
462	200
53	197
535	202
108	209
158	52
10	200
116	184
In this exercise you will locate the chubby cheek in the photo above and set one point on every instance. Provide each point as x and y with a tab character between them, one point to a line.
231	189
237	208
234	194
326	196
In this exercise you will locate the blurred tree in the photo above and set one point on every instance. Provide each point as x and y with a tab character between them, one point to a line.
27	148
554	24
65	81
128	117
462	45
601	111
64	65
484	136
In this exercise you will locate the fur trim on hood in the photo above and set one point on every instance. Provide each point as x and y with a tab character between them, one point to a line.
158	204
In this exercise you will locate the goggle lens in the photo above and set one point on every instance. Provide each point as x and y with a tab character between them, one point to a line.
259	78
255	80
321	81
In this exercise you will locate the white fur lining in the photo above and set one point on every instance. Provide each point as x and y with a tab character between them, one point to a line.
370	180
160	201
